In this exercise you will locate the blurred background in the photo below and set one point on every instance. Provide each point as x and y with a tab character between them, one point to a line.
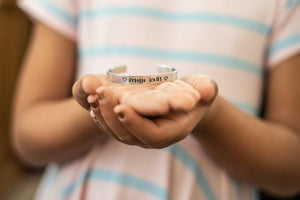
18	182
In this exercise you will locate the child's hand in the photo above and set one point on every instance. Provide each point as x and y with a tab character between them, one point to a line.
86	86
84	92
153	116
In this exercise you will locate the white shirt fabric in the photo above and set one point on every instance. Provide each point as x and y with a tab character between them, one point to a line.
232	41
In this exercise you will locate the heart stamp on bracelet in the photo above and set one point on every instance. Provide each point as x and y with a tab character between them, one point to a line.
165	73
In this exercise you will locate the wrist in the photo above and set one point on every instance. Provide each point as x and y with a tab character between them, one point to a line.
208	119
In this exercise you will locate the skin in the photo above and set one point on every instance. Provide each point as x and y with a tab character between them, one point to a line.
50	126
168	112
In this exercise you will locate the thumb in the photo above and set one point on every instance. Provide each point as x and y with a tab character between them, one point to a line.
86	86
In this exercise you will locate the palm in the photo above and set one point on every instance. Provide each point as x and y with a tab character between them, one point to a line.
152	116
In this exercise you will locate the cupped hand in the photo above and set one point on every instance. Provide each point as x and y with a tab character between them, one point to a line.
152	116
185	104
84	92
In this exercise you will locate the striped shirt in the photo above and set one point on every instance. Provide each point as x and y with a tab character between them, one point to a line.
233	41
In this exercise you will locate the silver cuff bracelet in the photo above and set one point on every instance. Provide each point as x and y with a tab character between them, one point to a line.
165	74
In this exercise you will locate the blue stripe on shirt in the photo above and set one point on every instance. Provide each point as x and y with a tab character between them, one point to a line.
59	12
194	168
247	108
145	185
284	44
292	4
49	179
171	55
118	179
179	17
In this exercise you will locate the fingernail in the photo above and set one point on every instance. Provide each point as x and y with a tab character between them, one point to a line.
92	114
93	102
119	111
121	115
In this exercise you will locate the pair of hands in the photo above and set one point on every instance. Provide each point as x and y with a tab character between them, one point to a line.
150	115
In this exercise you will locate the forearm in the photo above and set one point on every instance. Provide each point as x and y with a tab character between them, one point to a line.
55	130
262	152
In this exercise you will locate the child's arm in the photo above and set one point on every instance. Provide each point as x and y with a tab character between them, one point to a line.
48	125
264	152
172	109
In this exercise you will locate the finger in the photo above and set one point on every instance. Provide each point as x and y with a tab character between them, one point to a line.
95	113
188	88
148	103
106	104
157	133
142	98
91	82
205	85
92	114
85	86
181	96
122	92
177	86
181	101
93	102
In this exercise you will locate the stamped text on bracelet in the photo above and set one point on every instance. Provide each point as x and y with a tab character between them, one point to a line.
165	73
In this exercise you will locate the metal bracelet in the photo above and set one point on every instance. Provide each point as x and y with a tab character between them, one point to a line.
165	74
